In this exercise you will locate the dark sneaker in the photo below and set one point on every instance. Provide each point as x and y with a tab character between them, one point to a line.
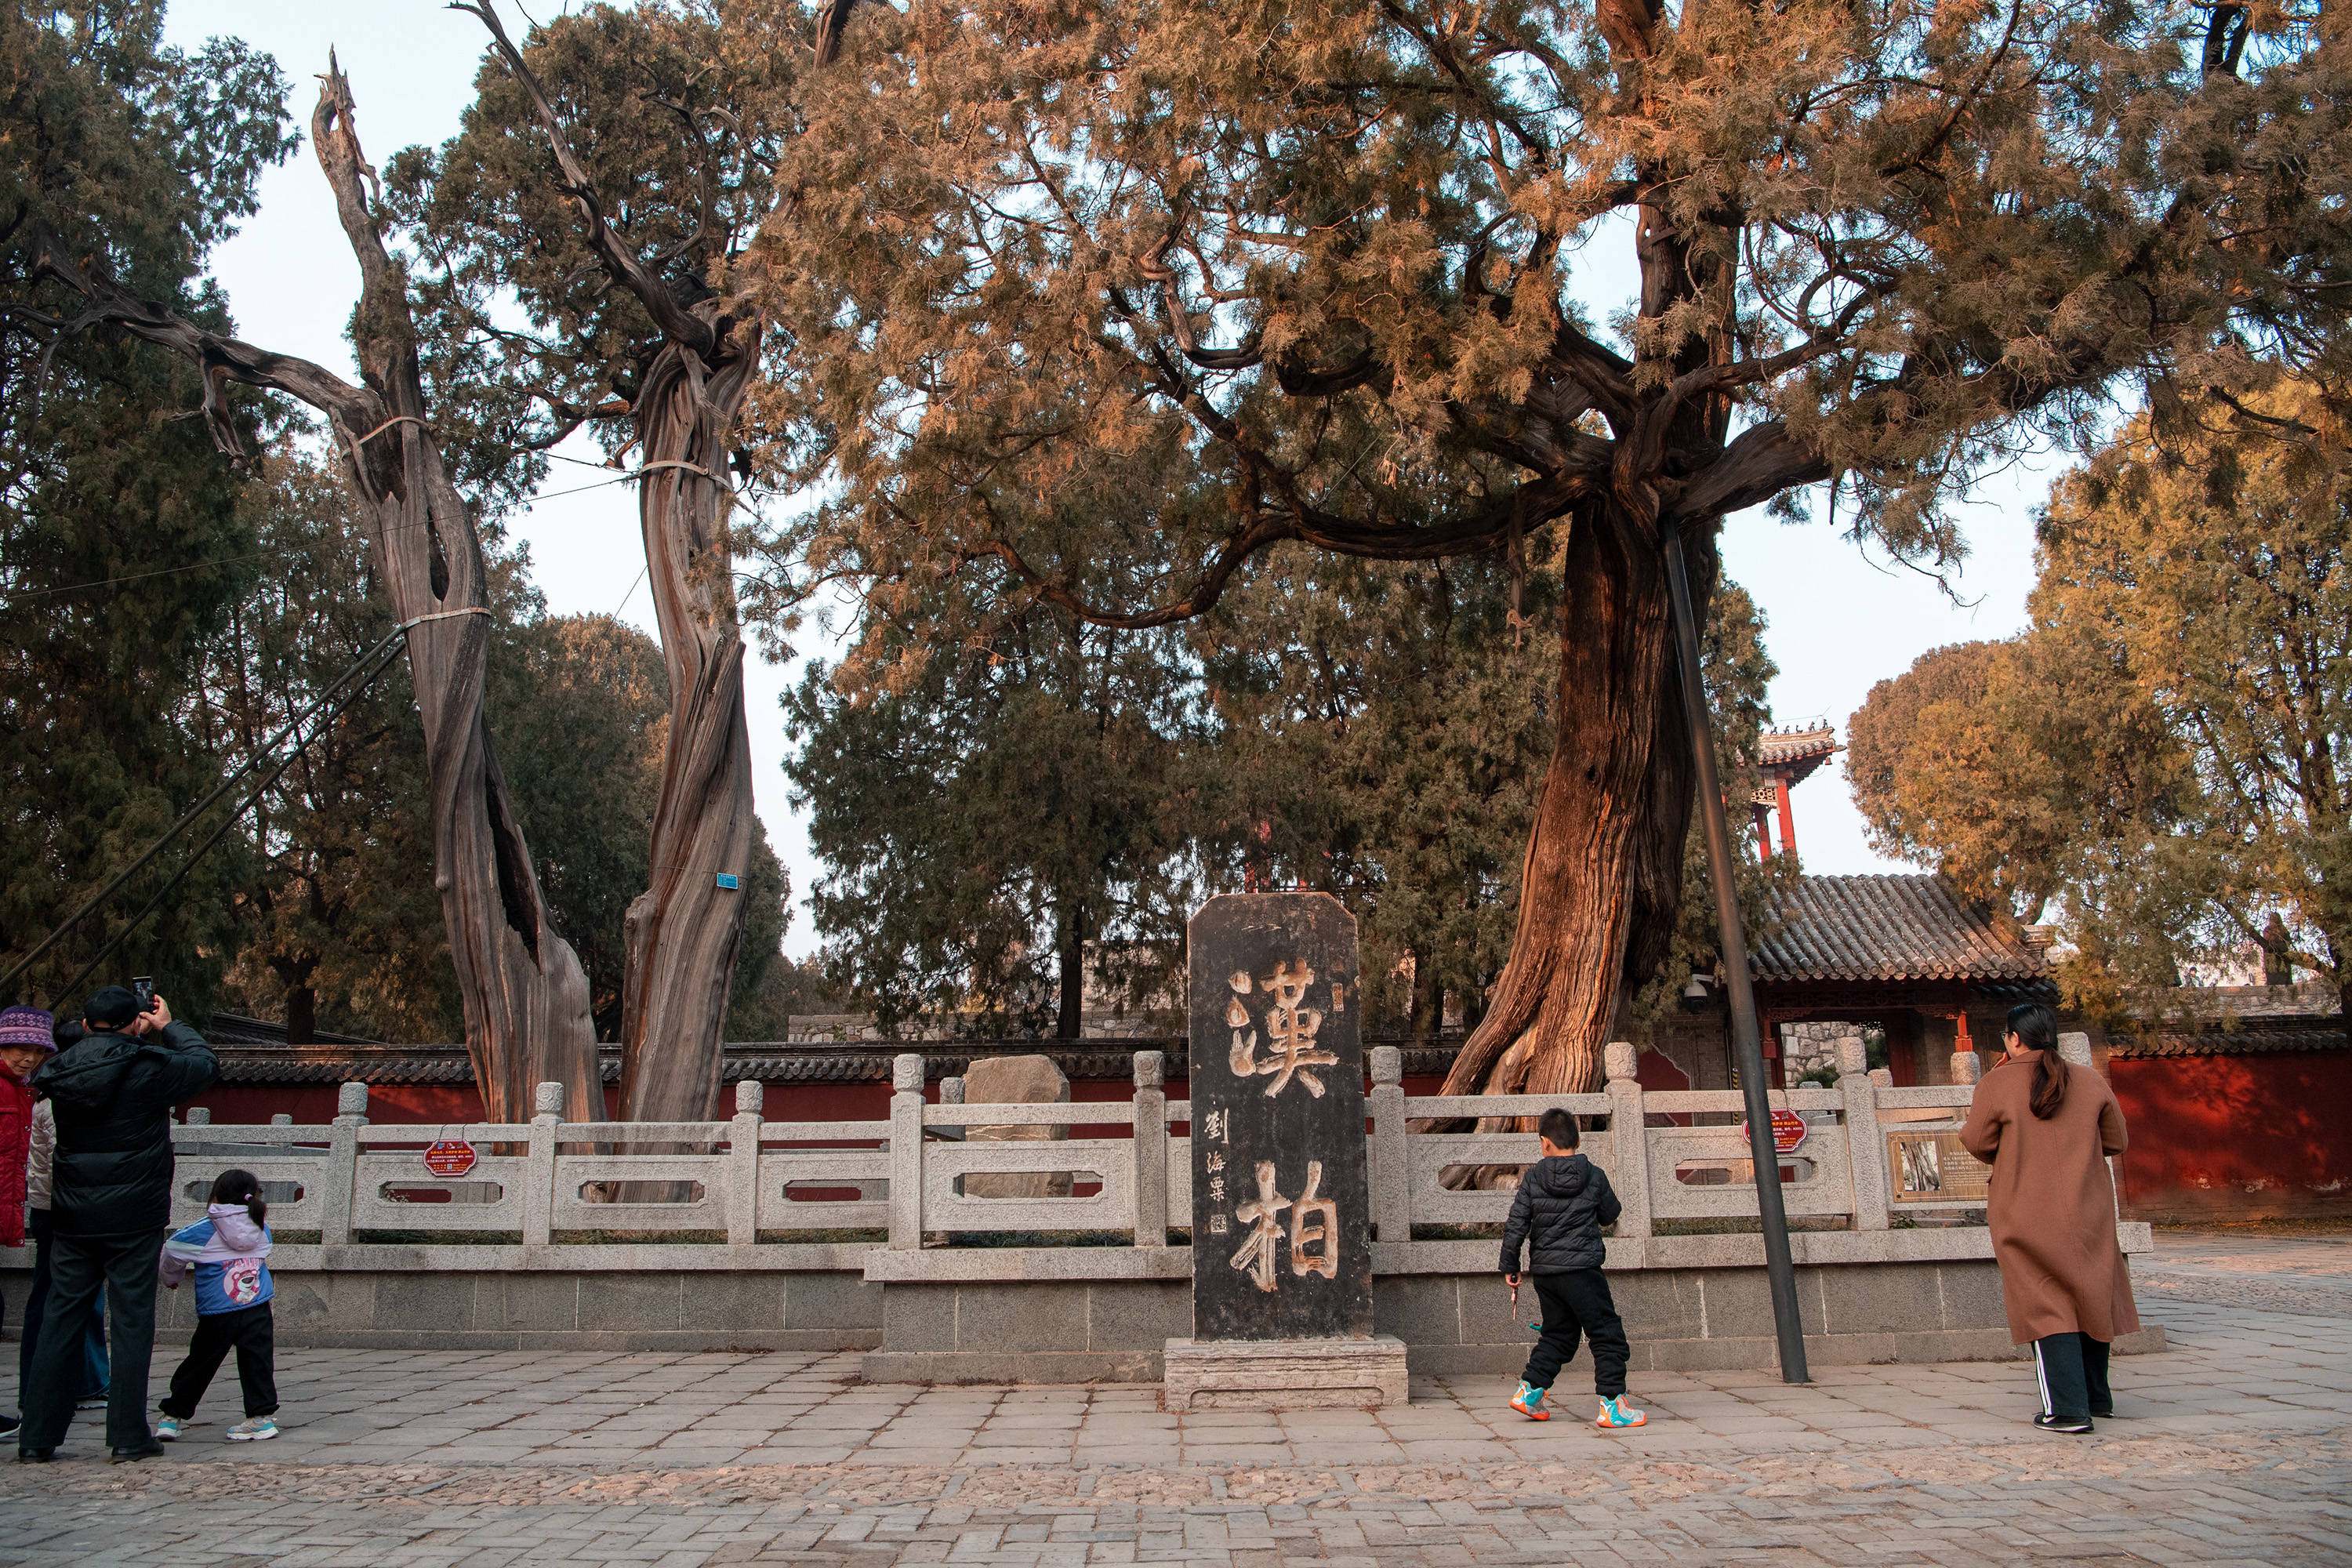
36	1456
2074	1423
132	1456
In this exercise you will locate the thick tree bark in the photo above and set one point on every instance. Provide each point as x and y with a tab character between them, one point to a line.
1598	842
1428	998
1070	997
682	932
524	994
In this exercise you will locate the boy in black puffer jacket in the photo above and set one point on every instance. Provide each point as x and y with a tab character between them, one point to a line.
1562	1202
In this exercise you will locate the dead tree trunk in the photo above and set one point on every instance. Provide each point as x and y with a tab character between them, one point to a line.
524	994
681	933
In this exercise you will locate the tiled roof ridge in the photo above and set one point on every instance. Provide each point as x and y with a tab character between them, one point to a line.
1887	926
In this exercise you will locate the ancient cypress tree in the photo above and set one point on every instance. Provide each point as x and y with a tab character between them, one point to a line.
524	995
1337	254
625	250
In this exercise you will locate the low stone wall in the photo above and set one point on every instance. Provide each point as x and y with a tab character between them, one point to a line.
551	1310
1048	1330
1034	1331
1113	1330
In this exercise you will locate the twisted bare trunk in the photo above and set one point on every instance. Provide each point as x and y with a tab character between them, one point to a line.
524	994
523	991
682	932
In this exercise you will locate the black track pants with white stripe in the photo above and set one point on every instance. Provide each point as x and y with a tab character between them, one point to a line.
2073	1372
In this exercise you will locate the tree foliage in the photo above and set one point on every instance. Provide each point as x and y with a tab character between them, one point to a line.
122	546
1024	802
336	921
2160	759
1339	260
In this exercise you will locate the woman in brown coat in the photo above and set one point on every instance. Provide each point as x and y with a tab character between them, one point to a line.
2046	1130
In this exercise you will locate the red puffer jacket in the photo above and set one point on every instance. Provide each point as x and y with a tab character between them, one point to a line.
16	1142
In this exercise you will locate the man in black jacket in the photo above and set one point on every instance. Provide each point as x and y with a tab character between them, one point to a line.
110	1202
1563	1201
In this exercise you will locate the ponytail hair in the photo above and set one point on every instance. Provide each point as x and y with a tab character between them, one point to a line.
2036	1028
240	1187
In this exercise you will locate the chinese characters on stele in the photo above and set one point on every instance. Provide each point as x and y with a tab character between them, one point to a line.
1313	1231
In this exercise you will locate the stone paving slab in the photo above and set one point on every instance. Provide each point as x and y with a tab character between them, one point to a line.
2308	1273
2231	1447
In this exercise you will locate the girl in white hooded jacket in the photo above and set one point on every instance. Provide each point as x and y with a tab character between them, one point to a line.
227	1250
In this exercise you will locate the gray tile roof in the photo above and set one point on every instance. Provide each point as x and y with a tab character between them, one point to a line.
2250	1036
1887	927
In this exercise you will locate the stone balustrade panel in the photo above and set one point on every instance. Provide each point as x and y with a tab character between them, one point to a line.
1672	1156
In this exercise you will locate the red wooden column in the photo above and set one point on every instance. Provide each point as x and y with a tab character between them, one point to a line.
1788	817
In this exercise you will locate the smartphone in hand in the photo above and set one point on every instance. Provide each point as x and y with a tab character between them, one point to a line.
142	986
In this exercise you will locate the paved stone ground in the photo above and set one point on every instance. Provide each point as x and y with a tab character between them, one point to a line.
2230	1449
2309	1273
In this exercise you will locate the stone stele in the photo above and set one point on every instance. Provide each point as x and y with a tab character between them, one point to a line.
1015	1080
1282	1268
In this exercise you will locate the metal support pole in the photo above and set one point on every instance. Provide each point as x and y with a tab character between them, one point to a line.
1747	1039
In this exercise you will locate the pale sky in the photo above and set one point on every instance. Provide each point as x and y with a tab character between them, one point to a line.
1840	619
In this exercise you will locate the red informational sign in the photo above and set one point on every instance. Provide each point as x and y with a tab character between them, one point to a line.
449	1157
1788	1132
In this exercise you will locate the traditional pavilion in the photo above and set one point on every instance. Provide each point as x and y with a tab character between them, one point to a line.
1788	759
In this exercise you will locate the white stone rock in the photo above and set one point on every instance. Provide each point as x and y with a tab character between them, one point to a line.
1015	1080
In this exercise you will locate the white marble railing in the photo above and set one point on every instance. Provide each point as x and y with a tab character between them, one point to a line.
1870	1155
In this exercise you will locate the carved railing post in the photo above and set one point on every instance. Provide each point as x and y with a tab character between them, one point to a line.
1629	1139
906	1151
1865	1141
1968	1068
339	1183
744	1164
1150	1150
538	1171
1392	1162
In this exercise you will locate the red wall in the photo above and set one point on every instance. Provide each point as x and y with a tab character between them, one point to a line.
2236	1137
313	1104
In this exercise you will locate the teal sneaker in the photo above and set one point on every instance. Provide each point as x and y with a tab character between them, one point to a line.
1616	1414
260	1429
167	1429
1528	1402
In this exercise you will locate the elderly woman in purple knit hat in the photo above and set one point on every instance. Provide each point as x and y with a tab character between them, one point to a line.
27	1040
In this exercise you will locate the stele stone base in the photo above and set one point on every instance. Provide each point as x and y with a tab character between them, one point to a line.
1284	1375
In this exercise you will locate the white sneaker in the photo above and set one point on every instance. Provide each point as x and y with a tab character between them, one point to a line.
167	1429
260	1429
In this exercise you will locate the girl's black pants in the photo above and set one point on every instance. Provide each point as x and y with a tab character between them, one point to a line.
249	1332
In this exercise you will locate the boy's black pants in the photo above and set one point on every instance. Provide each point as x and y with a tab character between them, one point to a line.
249	1332
1577	1304
2073	1372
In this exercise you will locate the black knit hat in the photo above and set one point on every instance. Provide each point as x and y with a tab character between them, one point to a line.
112	1006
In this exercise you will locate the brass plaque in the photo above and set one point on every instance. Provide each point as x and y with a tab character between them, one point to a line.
1934	1167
